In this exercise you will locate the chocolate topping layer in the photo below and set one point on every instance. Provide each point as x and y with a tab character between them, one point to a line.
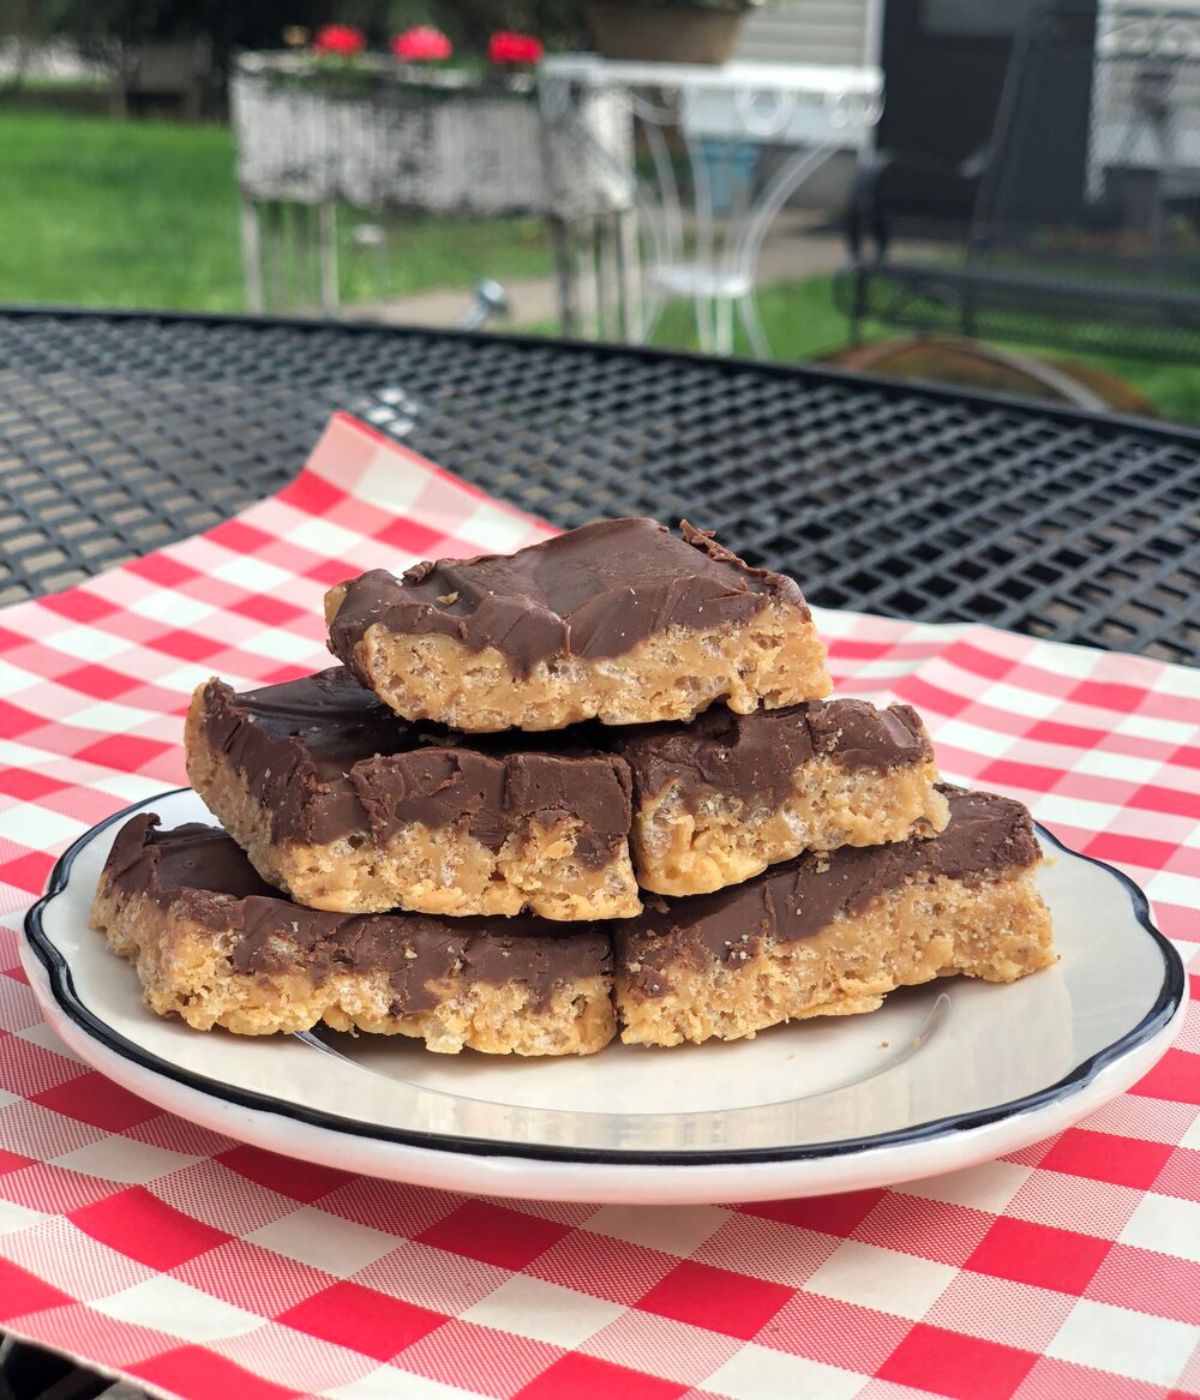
593	592
205	873
328	760
986	835
755	755
197	856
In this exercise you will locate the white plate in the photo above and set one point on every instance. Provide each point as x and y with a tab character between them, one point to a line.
942	1077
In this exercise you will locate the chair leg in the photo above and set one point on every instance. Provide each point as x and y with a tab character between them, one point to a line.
858	308
651	314
748	310
704	322
252	267
327	256
856	329
275	277
724	332
631	275
565	274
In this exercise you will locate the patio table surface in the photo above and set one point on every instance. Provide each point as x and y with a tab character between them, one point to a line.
143	1246
120	433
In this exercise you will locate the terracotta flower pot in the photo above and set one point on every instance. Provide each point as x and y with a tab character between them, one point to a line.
624	29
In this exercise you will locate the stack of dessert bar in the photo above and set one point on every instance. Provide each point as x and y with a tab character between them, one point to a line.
592	788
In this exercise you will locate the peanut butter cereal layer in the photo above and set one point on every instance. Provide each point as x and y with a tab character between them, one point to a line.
619	621
718	801
349	808
216	946
831	934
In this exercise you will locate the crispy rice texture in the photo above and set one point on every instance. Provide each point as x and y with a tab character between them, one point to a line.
997	929
723	840
186	969
429	870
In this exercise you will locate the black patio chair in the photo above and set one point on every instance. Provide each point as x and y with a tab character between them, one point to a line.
1085	212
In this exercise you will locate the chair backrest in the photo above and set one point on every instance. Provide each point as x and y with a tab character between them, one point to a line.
1035	175
1096	151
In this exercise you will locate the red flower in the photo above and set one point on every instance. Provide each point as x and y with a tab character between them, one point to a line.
508	47
422	44
342	39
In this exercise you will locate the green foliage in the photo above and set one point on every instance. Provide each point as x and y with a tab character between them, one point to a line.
97	24
470	23
117	213
260	23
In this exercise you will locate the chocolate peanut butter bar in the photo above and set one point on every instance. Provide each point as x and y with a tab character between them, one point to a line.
215	945
717	801
619	621
830	934
347	807
350	808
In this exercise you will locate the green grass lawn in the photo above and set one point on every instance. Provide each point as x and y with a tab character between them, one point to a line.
100	212
802	323
114	213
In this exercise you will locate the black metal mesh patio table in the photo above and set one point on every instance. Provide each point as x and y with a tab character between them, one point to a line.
120	432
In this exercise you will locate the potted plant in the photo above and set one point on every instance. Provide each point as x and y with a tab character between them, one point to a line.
667	31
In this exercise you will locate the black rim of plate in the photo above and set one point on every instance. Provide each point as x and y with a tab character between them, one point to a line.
1168	1001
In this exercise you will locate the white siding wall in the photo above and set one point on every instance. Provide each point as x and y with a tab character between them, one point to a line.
815	31
810	31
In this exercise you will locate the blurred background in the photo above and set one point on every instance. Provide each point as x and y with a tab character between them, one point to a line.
1001	193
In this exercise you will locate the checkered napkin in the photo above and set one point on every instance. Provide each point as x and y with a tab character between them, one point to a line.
200	1267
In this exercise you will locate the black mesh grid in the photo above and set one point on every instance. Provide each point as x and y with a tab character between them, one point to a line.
120	433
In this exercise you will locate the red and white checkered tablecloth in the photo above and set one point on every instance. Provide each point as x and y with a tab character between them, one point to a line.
200	1267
